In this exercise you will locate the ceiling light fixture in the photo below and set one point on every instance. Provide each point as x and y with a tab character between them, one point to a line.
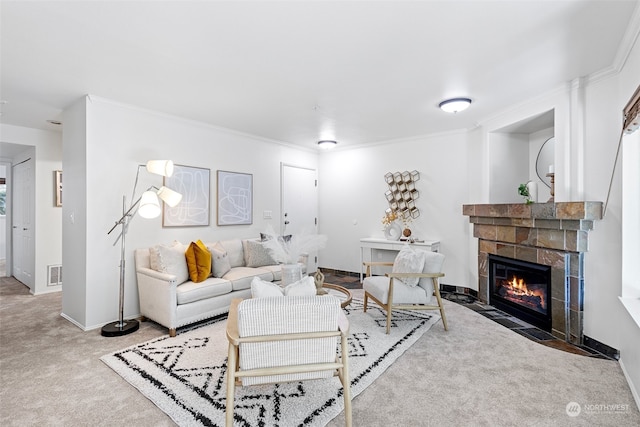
455	105
327	144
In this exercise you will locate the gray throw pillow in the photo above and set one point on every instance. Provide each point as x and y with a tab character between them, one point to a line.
219	261
256	254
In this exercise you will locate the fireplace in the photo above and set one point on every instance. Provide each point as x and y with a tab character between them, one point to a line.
551	235
521	288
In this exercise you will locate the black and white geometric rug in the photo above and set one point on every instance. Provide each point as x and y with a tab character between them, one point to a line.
185	375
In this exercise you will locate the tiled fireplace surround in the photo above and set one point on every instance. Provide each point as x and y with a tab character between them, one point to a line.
552	234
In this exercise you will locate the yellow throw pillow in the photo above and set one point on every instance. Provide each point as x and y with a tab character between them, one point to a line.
198	261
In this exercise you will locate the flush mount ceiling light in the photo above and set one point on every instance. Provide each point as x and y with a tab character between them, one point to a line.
455	105
327	144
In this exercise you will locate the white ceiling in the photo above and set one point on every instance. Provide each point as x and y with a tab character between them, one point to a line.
300	71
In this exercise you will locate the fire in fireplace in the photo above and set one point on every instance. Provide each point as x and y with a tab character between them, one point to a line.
522	289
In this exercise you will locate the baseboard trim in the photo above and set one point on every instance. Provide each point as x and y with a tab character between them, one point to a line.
601	348
459	290
343	272
632	386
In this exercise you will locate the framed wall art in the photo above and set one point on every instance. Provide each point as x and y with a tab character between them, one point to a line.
58	187
193	209
235	198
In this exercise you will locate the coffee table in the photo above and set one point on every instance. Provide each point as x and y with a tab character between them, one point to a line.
339	291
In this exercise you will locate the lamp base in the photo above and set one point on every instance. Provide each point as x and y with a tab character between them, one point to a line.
115	329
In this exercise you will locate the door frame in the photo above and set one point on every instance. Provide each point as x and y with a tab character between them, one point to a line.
281	224
9	218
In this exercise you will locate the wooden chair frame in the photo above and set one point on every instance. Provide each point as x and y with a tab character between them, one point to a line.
389	306
235	374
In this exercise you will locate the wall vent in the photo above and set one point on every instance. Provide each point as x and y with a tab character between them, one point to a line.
54	275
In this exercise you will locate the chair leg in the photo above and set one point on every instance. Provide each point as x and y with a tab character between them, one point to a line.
436	288
346	382
366	299
388	307
172	332
231	384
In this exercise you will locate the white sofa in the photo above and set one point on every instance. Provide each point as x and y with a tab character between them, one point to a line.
168	297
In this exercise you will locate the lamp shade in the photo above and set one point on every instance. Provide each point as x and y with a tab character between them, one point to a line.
160	167
149	205
170	197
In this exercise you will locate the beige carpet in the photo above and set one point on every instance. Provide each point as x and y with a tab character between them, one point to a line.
477	374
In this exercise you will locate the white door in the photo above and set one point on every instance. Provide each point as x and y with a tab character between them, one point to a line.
22	227
300	204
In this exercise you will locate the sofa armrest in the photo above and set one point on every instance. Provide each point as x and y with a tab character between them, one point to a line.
158	296
153	274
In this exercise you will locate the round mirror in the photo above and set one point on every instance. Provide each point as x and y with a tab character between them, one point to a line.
545	159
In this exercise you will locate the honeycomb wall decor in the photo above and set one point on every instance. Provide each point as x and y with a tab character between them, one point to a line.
402	194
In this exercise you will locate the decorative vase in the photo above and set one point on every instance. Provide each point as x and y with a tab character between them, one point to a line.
532	187
393	231
291	273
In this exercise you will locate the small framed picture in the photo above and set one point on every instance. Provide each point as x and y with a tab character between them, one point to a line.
58	187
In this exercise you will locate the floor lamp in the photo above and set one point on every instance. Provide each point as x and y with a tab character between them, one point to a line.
148	207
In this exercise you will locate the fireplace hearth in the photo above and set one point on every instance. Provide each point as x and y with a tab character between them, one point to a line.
522	289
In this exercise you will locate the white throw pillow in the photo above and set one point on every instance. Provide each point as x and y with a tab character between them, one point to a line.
170	260
302	288
261	288
409	260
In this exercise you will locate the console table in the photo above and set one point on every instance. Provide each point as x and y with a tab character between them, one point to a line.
371	243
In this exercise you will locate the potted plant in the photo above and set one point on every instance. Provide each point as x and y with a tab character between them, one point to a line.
523	190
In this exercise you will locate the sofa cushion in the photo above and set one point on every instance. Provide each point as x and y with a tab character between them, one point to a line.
170	260
240	277
219	260
256	254
234	251
378	286
276	270
198	261
190	292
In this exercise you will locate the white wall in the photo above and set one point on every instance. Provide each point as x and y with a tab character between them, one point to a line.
74	215
509	166
352	203
47	150
629	341
118	138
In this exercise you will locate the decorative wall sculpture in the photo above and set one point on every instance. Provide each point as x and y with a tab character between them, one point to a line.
402	194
